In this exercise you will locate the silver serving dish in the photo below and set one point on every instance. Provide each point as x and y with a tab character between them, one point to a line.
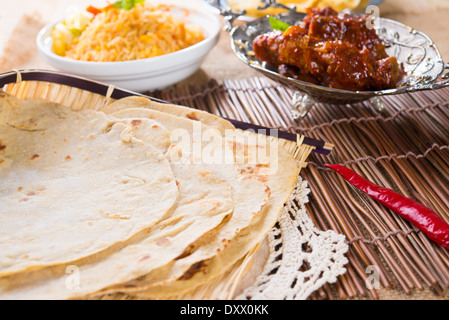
416	51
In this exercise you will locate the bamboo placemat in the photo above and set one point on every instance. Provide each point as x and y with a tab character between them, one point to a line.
404	147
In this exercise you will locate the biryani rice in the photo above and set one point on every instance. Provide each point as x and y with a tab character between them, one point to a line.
145	31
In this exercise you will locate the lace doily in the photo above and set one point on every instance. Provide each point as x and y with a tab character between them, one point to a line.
301	258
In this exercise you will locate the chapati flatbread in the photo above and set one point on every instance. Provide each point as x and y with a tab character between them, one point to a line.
184	274
281	185
204	202
250	196
71	186
229	198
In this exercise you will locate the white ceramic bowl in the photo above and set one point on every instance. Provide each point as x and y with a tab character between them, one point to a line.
144	74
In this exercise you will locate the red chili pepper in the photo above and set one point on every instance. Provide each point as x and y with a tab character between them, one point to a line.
416	213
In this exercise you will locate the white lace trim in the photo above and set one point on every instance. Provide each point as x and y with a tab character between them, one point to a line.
301	258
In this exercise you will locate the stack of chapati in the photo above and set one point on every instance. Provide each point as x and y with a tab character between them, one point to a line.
149	199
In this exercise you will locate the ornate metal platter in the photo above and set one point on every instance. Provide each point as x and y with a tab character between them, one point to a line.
416	51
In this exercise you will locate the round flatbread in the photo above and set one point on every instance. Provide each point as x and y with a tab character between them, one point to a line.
204	202
73	184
